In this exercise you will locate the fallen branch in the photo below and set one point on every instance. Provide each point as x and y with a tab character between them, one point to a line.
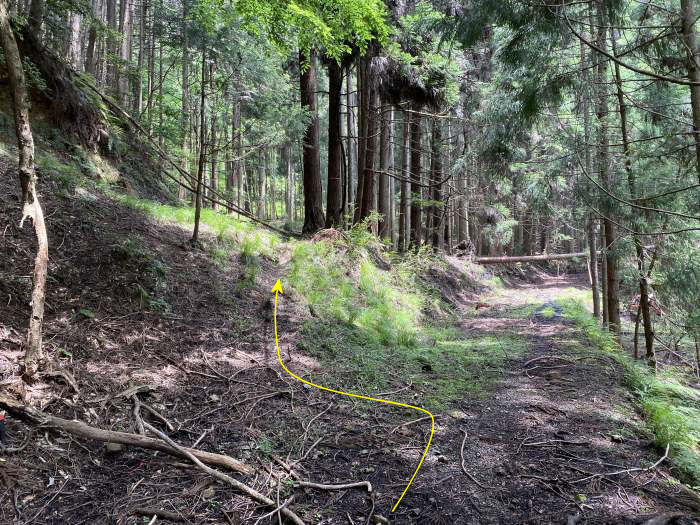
278	509
321	486
131	391
78	428
241	487
163	514
410	423
148	408
464	468
528	258
627	470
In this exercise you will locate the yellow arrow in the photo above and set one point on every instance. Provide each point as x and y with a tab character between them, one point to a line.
278	290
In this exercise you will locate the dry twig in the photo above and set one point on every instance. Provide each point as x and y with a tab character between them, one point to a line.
241	487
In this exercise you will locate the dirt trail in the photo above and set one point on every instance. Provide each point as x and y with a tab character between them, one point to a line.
202	347
536	448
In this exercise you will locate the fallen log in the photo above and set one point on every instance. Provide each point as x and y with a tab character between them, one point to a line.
529	258
78	428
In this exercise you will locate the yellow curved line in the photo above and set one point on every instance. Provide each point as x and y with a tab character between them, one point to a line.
432	418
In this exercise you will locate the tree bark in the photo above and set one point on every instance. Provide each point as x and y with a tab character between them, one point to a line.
138	83
185	117
690	39
73	43
613	284
590	222
403	199
334	190
367	164
639	250
351	175
125	27
33	356
384	197
436	211
202	149
112	44
92	45
313	192
214	155
415	238
36	18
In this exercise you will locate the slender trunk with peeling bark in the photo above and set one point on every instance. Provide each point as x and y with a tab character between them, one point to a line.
33	356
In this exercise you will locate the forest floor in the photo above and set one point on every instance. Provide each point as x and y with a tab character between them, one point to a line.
551	437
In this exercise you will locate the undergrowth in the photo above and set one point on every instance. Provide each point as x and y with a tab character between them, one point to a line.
372	327
231	234
671	409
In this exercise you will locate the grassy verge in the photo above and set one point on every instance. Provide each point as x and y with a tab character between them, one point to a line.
373	327
671	409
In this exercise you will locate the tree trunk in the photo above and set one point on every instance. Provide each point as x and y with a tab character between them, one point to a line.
384	197
462	202
236	141
112	44
125	27
289	182
590	222
639	250
362	105
214	148
613	284
403	200
415	238
351	174
35	19
92	46
202	150
33	356
334	190
690	39
185	117
436	210
313	192
138	83
369	151
262	184
73	44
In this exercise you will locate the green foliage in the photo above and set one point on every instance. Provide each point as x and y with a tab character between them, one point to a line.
336	27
